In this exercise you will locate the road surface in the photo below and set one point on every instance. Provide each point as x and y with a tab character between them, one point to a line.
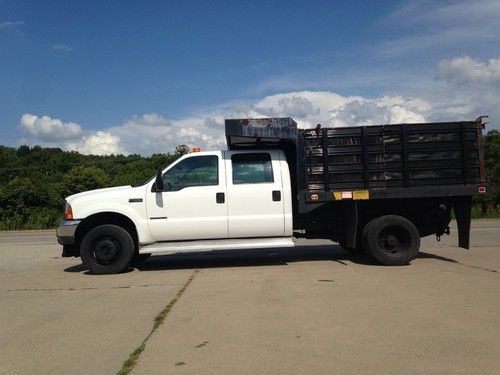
312	309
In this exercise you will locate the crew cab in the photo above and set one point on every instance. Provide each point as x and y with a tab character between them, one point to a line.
205	200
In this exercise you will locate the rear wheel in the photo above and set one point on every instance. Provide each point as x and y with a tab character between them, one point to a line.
107	249
391	240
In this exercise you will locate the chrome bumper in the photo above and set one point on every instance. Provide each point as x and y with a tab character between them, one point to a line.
66	231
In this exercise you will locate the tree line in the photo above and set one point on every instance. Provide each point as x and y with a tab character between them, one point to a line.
34	180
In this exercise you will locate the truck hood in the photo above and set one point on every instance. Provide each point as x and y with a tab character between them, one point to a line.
101	192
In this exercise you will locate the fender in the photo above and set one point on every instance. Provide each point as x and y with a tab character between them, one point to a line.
133	213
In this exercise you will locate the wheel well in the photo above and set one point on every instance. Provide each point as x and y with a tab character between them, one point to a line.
101	218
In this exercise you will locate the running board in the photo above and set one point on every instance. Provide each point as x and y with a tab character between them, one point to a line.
164	248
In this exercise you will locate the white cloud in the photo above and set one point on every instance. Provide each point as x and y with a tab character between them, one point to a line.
465	70
464	89
432	12
331	109
294	104
49	129
53	132
371	112
62	47
459	25
99	143
10	24
467	87
152	133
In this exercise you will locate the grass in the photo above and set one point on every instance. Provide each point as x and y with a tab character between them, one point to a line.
491	213
133	357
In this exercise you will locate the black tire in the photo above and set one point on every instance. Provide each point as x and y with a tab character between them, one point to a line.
107	249
391	240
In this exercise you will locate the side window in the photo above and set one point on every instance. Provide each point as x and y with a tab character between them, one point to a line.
193	171
252	168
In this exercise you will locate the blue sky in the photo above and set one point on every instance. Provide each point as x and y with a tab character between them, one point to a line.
95	76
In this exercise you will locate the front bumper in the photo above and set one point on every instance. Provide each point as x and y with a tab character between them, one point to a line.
66	231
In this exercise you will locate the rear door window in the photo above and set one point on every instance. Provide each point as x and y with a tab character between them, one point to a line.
254	168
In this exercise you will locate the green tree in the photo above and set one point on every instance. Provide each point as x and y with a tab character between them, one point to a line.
181	150
10	164
82	178
492	161
35	180
23	205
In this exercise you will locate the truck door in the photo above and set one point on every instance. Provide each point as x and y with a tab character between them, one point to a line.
254	194
193	204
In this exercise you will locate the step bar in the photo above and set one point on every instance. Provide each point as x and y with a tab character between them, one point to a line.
165	248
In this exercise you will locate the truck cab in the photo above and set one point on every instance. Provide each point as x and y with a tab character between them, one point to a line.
203	201
221	194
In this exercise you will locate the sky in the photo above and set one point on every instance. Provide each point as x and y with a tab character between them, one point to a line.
144	76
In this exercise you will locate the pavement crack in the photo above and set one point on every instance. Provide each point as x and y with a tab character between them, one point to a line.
82	289
133	357
478	267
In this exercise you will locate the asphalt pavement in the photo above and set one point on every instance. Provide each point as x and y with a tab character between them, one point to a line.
311	309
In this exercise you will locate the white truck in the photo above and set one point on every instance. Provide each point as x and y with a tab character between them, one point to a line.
372	188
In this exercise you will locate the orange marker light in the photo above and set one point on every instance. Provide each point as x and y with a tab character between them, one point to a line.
195	149
68	212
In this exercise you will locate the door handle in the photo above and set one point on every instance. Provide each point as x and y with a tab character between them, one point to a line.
276	195
220	198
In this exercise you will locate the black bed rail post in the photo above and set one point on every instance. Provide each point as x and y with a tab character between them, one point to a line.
326	167
465	153
404	150
364	147
480	125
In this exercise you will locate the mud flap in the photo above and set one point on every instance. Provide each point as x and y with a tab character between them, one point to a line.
462	207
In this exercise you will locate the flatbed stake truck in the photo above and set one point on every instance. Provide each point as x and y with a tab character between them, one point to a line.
376	189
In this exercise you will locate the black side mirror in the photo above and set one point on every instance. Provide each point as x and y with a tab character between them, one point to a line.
159	181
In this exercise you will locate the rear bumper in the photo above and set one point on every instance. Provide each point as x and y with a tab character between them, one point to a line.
66	231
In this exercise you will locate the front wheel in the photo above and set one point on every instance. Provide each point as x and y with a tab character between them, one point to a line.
391	240
107	249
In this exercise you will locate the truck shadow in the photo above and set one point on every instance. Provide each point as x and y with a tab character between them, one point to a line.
246	258
254	258
243	258
275	257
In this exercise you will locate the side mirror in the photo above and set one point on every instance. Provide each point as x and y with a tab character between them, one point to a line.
159	181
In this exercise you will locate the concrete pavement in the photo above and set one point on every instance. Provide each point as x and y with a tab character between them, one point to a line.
311	309
55	319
